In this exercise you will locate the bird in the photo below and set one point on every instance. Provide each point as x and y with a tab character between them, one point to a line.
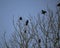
20	18
58	4
25	31
27	22
43	12
39	40
57	38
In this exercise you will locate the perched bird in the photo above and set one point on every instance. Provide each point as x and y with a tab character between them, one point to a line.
58	4
20	18
57	38
25	31
39	40
43	12
27	22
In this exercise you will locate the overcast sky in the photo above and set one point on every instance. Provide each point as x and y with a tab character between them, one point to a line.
10	8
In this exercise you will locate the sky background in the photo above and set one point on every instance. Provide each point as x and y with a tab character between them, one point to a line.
16	8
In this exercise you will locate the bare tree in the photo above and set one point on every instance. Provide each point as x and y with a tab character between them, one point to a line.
50	26
26	36
4	43
38	31
41	31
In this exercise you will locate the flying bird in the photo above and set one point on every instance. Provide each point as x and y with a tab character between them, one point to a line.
27	22
43	12
20	18
58	4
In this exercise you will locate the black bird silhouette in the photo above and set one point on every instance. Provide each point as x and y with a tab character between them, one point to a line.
39	40
20	18
43	12
57	38
27	22
58	4
25	31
